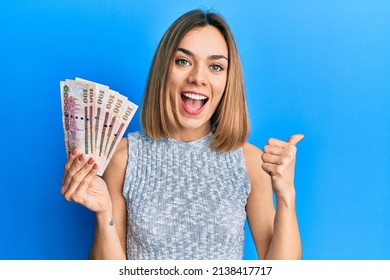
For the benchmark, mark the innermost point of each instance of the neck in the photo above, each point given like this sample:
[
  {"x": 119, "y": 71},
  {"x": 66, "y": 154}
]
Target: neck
[{"x": 188, "y": 135}]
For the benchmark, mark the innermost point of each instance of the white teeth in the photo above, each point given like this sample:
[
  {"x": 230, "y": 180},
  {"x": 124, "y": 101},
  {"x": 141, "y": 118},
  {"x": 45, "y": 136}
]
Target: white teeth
[{"x": 195, "y": 96}]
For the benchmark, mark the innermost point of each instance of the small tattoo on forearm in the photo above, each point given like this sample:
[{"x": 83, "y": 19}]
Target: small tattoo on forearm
[{"x": 111, "y": 222}]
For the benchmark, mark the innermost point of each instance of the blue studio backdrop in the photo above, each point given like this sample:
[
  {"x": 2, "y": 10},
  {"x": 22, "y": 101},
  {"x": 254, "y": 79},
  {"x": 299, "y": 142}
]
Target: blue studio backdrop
[{"x": 321, "y": 68}]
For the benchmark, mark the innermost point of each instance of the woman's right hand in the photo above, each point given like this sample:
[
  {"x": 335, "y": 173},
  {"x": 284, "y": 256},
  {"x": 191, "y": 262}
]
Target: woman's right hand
[{"x": 81, "y": 184}]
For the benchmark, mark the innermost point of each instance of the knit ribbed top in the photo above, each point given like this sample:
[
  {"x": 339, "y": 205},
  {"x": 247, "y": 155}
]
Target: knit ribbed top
[{"x": 184, "y": 200}]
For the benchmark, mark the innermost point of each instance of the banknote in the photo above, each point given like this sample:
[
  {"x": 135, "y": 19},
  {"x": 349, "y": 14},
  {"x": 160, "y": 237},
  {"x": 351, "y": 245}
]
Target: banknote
[
  {"x": 94, "y": 118},
  {"x": 75, "y": 115},
  {"x": 124, "y": 120},
  {"x": 91, "y": 111}
]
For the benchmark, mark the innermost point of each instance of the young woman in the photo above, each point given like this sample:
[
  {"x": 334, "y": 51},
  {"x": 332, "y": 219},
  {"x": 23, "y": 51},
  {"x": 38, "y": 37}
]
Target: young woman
[{"x": 183, "y": 186}]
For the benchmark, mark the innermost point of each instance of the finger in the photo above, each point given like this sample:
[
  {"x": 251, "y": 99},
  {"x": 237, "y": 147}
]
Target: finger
[
  {"x": 78, "y": 196},
  {"x": 275, "y": 150},
  {"x": 274, "y": 170},
  {"x": 270, "y": 158},
  {"x": 69, "y": 163},
  {"x": 276, "y": 142},
  {"x": 295, "y": 138},
  {"x": 74, "y": 168},
  {"x": 270, "y": 168},
  {"x": 78, "y": 179}
]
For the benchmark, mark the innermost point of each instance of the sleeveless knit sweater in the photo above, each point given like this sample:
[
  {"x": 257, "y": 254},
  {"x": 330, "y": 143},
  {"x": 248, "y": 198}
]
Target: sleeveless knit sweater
[{"x": 184, "y": 200}]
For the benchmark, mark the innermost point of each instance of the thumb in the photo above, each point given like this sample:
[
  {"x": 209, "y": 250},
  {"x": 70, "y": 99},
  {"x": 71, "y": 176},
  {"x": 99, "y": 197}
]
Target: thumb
[{"x": 294, "y": 139}]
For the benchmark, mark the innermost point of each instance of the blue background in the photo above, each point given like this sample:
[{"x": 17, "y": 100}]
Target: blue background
[{"x": 315, "y": 67}]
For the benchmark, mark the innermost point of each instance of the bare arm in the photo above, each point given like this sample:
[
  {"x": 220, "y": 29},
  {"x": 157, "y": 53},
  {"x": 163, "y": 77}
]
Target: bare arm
[
  {"x": 101, "y": 195},
  {"x": 260, "y": 208},
  {"x": 276, "y": 234},
  {"x": 110, "y": 228}
]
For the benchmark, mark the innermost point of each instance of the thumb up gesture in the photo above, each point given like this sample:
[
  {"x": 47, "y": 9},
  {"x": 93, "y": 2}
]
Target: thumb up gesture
[{"x": 279, "y": 162}]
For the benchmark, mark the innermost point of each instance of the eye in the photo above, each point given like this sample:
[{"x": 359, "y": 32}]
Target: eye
[
  {"x": 216, "y": 67},
  {"x": 182, "y": 62}
]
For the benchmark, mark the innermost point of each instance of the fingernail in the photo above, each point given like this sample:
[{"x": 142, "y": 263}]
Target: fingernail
[
  {"x": 81, "y": 157},
  {"x": 95, "y": 166},
  {"x": 90, "y": 161},
  {"x": 74, "y": 152}
]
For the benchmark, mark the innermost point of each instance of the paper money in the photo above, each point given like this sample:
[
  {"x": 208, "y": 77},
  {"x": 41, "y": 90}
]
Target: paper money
[
  {"x": 91, "y": 111},
  {"x": 124, "y": 120},
  {"x": 74, "y": 115},
  {"x": 94, "y": 119}
]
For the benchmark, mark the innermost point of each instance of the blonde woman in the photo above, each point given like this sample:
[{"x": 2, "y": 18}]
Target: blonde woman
[{"x": 182, "y": 187}]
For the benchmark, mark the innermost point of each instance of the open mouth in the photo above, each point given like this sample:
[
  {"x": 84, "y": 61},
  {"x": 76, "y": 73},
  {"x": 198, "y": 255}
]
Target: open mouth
[{"x": 193, "y": 102}]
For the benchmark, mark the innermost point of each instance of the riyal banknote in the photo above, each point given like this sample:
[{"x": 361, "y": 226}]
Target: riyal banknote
[{"x": 94, "y": 118}]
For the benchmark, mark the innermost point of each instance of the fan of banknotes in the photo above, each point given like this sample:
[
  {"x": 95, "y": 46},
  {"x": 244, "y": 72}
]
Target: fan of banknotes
[{"x": 94, "y": 118}]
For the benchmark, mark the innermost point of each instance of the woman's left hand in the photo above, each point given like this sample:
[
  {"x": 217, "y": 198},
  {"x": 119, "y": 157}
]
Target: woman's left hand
[{"x": 279, "y": 163}]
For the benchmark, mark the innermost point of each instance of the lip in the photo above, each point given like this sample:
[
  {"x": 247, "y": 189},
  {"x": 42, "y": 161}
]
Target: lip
[
  {"x": 194, "y": 92},
  {"x": 187, "y": 109}
]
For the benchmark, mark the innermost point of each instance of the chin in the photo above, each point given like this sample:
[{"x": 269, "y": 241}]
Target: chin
[
  {"x": 193, "y": 124},
  {"x": 199, "y": 125}
]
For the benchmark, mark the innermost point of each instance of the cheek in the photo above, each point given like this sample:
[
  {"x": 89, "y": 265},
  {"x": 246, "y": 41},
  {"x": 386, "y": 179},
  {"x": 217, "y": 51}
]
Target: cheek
[
  {"x": 172, "y": 83},
  {"x": 220, "y": 87},
  {"x": 175, "y": 78},
  {"x": 218, "y": 93}
]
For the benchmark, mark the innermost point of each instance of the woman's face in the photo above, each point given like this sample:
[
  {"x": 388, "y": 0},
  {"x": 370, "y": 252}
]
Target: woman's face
[{"x": 198, "y": 80}]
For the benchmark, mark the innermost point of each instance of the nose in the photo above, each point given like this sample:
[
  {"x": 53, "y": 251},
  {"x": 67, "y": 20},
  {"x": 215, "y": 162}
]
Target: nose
[{"x": 198, "y": 75}]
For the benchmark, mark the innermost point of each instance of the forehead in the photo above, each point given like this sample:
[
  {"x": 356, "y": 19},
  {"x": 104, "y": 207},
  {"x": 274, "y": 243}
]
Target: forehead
[{"x": 206, "y": 40}]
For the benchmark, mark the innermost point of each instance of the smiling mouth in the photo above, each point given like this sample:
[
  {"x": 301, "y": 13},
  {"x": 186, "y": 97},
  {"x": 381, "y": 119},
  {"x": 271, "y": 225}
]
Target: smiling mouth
[{"x": 193, "y": 102}]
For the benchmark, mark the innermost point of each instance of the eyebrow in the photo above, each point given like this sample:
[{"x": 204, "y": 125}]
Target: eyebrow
[{"x": 190, "y": 53}]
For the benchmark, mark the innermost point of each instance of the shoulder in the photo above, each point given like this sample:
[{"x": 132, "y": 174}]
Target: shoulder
[
  {"x": 120, "y": 156},
  {"x": 122, "y": 146},
  {"x": 115, "y": 172},
  {"x": 253, "y": 160},
  {"x": 252, "y": 156},
  {"x": 251, "y": 152}
]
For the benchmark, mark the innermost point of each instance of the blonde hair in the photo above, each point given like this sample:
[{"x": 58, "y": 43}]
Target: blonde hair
[{"x": 230, "y": 124}]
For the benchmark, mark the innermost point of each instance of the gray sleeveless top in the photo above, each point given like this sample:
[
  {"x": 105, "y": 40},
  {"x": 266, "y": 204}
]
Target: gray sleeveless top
[{"x": 184, "y": 200}]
